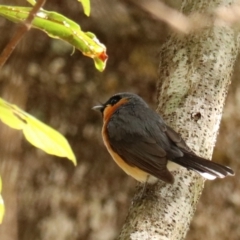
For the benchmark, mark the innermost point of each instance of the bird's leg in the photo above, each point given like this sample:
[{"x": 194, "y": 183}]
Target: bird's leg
[{"x": 144, "y": 188}]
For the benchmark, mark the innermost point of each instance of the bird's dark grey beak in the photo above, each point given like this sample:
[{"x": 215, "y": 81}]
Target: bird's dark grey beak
[{"x": 98, "y": 108}]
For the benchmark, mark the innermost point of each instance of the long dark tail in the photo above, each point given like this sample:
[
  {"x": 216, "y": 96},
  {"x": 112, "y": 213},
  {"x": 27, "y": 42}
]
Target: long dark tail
[{"x": 205, "y": 168}]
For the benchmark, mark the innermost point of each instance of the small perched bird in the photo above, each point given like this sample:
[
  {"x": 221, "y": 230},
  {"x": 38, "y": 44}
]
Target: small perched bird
[{"x": 146, "y": 148}]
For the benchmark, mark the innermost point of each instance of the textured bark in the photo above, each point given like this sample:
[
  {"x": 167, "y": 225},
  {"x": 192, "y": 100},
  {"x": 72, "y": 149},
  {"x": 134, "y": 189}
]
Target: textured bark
[{"x": 194, "y": 75}]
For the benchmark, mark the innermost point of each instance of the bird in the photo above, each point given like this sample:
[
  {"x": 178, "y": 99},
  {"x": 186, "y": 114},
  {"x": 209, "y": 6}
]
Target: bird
[{"x": 144, "y": 146}]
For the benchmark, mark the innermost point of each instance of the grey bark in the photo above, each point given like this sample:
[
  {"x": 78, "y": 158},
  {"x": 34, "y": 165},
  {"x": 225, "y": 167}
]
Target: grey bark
[{"x": 194, "y": 75}]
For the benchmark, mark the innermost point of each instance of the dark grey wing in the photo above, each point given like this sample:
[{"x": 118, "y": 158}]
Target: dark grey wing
[
  {"x": 135, "y": 139},
  {"x": 175, "y": 138}
]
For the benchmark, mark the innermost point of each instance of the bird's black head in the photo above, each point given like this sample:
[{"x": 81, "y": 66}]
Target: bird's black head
[{"x": 120, "y": 99}]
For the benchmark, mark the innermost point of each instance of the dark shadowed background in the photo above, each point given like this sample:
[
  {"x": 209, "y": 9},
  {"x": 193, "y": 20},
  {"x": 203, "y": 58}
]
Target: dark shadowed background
[{"x": 47, "y": 197}]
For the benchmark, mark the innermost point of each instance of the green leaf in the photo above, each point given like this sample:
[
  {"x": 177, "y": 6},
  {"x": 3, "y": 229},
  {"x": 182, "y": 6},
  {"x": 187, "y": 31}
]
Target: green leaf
[
  {"x": 60, "y": 27},
  {"x": 2, "y": 208},
  {"x": 37, "y": 133},
  {"x": 32, "y": 2},
  {"x": 86, "y": 6}
]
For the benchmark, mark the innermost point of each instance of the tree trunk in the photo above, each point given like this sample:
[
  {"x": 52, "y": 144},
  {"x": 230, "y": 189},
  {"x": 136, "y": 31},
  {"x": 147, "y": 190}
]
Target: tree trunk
[
  {"x": 14, "y": 89},
  {"x": 194, "y": 75}
]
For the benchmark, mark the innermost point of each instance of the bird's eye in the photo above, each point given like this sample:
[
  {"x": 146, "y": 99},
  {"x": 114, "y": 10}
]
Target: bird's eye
[{"x": 114, "y": 100}]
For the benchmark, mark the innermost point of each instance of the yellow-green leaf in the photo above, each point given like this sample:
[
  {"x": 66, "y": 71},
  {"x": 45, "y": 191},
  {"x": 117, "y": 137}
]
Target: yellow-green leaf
[
  {"x": 61, "y": 27},
  {"x": 2, "y": 208},
  {"x": 37, "y": 133},
  {"x": 86, "y": 6},
  {"x": 32, "y": 2}
]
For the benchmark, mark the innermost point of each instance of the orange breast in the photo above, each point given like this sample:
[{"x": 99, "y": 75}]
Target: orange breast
[{"x": 135, "y": 172}]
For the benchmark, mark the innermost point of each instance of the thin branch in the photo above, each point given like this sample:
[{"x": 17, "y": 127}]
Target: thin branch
[
  {"x": 161, "y": 11},
  {"x": 22, "y": 29},
  {"x": 222, "y": 15}
]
